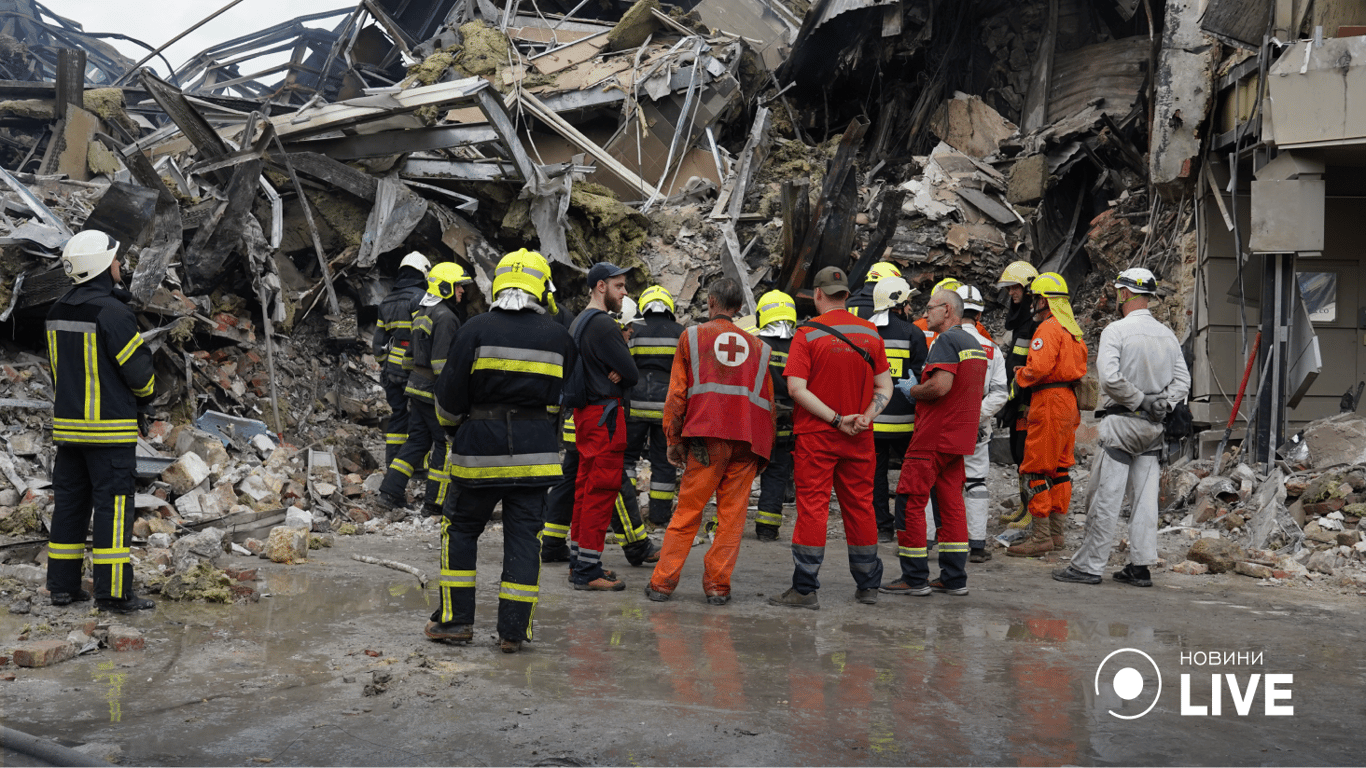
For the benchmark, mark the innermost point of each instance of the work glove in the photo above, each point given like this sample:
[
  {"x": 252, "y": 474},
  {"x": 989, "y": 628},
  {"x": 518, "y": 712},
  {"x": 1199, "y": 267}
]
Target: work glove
[
  {"x": 1156, "y": 407},
  {"x": 904, "y": 386}
]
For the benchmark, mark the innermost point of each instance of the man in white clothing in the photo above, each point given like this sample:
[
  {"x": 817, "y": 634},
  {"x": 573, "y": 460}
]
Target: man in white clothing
[
  {"x": 975, "y": 495},
  {"x": 1143, "y": 375}
]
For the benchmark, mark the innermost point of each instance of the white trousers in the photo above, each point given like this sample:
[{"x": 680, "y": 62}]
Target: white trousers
[
  {"x": 1114, "y": 473},
  {"x": 975, "y": 495}
]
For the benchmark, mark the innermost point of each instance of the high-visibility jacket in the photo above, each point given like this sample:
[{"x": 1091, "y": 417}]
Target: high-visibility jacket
[
  {"x": 1056, "y": 360},
  {"x": 720, "y": 387},
  {"x": 394, "y": 330},
  {"x": 652, "y": 347},
  {"x": 504, "y": 373},
  {"x": 777, "y": 363},
  {"x": 906, "y": 350},
  {"x": 101, "y": 368},
  {"x": 434, "y": 328}
]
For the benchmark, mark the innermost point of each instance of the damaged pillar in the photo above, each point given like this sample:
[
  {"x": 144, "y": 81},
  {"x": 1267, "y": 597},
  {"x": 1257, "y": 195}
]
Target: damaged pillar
[{"x": 1185, "y": 81}]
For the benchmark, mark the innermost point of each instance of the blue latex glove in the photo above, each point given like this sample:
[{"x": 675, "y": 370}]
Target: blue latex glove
[{"x": 904, "y": 386}]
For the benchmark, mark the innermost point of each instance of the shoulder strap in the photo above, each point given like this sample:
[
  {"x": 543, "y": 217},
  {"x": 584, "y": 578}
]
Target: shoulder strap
[
  {"x": 863, "y": 353},
  {"x": 581, "y": 324}
]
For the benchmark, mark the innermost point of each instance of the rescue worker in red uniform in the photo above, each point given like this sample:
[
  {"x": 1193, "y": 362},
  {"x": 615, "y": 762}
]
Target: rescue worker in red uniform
[
  {"x": 433, "y": 328},
  {"x": 838, "y": 376},
  {"x": 718, "y": 419},
  {"x": 1056, "y": 363},
  {"x": 777, "y": 318},
  {"x": 102, "y": 376},
  {"x": 948, "y": 409},
  {"x": 393, "y": 335},
  {"x": 506, "y": 368},
  {"x": 653, "y": 343},
  {"x": 600, "y": 427}
]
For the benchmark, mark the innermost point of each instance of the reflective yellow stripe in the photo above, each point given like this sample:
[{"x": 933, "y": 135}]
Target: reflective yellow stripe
[
  {"x": 57, "y": 551},
  {"x": 641, "y": 413},
  {"x": 555, "y": 531},
  {"x": 971, "y": 354},
  {"x": 490, "y": 473},
  {"x": 92, "y": 377},
  {"x": 957, "y": 546},
  {"x": 457, "y": 579},
  {"x": 402, "y": 466},
  {"x": 129, "y": 349},
  {"x": 662, "y": 495},
  {"x": 892, "y": 428},
  {"x": 1021, "y": 351},
  {"x": 396, "y": 438},
  {"x": 913, "y": 551},
  {"x": 95, "y": 424},
  {"x": 517, "y": 366},
  {"x": 522, "y": 593},
  {"x": 146, "y": 391},
  {"x": 52, "y": 352},
  {"x": 670, "y": 351}
]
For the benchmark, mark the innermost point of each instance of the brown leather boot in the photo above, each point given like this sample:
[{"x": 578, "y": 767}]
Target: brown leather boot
[
  {"x": 1055, "y": 528},
  {"x": 1040, "y": 541}
]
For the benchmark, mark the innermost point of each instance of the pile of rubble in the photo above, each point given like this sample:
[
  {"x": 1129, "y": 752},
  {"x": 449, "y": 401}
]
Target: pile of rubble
[
  {"x": 760, "y": 139},
  {"x": 1301, "y": 521}
]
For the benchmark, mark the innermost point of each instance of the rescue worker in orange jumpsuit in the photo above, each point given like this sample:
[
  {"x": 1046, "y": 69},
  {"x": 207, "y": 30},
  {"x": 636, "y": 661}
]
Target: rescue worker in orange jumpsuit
[
  {"x": 719, "y": 424},
  {"x": 1056, "y": 362},
  {"x": 837, "y": 374}
]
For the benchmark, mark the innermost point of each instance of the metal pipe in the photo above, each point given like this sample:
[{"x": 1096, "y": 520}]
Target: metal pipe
[
  {"x": 42, "y": 749},
  {"x": 174, "y": 40}
]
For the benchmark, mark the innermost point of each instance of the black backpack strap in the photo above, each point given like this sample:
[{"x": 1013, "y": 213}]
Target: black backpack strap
[{"x": 863, "y": 353}]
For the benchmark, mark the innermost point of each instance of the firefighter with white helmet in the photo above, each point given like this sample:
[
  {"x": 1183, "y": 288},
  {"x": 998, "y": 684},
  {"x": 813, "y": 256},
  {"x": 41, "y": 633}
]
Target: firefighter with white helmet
[
  {"x": 393, "y": 336},
  {"x": 975, "y": 495},
  {"x": 102, "y": 377},
  {"x": 434, "y": 325},
  {"x": 1143, "y": 375},
  {"x": 1014, "y": 282}
]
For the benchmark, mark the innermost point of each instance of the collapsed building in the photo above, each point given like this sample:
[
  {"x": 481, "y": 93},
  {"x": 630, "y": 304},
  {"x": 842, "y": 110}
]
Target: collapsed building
[{"x": 263, "y": 203}]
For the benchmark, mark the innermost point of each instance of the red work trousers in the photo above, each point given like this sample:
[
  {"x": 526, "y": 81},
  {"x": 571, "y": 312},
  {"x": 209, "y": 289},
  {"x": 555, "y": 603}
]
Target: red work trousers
[
  {"x": 1049, "y": 449},
  {"x": 729, "y": 474},
  {"x": 826, "y": 459},
  {"x": 921, "y": 472},
  {"x": 601, "y": 442}
]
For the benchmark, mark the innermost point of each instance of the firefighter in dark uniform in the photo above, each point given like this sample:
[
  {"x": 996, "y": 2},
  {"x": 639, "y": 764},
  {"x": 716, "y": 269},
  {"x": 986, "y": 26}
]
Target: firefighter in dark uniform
[
  {"x": 393, "y": 334},
  {"x": 777, "y": 319},
  {"x": 434, "y": 327},
  {"x": 652, "y": 344},
  {"x": 1015, "y": 280},
  {"x": 506, "y": 369},
  {"x": 860, "y": 303},
  {"x": 892, "y": 429},
  {"x": 102, "y": 374}
]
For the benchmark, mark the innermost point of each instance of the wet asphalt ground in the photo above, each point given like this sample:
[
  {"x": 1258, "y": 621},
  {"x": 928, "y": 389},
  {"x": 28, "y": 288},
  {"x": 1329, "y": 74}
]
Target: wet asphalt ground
[{"x": 331, "y": 669}]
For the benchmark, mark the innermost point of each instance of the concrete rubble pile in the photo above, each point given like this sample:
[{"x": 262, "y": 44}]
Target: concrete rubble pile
[{"x": 1301, "y": 521}]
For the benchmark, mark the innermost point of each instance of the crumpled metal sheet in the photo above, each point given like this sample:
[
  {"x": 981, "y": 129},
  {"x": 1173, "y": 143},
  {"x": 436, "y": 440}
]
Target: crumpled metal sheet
[{"x": 396, "y": 214}]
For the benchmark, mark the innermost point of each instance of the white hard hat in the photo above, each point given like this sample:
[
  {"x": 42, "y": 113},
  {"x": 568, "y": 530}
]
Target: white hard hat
[
  {"x": 88, "y": 254},
  {"x": 628, "y": 313},
  {"x": 972, "y": 298},
  {"x": 1137, "y": 280},
  {"x": 891, "y": 291},
  {"x": 416, "y": 261}
]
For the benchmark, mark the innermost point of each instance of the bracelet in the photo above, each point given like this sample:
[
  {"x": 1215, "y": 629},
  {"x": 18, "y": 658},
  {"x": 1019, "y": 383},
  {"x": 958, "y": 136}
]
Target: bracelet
[{"x": 837, "y": 421}]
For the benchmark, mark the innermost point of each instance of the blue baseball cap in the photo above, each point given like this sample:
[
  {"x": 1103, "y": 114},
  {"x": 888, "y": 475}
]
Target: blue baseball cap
[{"x": 604, "y": 271}]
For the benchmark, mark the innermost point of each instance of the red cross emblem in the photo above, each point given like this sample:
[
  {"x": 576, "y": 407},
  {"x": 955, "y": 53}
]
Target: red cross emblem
[{"x": 730, "y": 349}]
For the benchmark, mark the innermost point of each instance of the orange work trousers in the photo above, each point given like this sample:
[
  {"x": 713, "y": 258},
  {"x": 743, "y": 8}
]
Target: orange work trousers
[
  {"x": 729, "y": 474},
  {"x": 1050, "y": 441}
]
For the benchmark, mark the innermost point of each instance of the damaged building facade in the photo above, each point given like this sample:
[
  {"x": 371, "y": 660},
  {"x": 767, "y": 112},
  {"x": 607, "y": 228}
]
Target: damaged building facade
[{"x": 264, "y": 191}]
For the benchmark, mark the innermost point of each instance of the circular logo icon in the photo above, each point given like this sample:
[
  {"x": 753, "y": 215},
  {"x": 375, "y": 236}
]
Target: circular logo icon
[
  {"x": 1124, "y": 677},
  {"x": 1038, "y": 344},
  {"x": 730, "y": 349}
]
